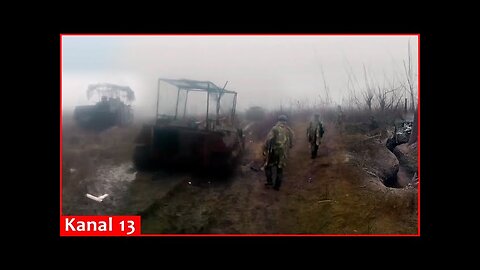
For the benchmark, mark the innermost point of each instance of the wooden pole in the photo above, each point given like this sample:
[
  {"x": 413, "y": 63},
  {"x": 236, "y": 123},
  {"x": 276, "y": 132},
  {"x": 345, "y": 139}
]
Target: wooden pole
[
  {"x": 208, "y": 102},
  {"x": 158, "y": 96},
  {"x": 176, "y": 107},
  {"x": 185, "y": 105}
]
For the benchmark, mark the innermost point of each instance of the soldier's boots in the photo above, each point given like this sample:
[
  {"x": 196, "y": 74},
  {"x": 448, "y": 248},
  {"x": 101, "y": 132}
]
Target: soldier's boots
[
  {"x": 314, "y": 151},
  {"x": 268, "y": 174},
  {"x": 278, "y": 181}
]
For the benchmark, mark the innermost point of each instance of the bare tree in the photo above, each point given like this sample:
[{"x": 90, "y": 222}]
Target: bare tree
[
  {"x": 353, "y": 100},
  {"x": 381, "y": 96},
  {"x": 368, "y": 98},
  {"x": 396, "y": 99},
  {"x": 386, "y": 96},
  {"x": 367, "y": 93},
  {"x": 410, "y": 79},
  {"x": 328, "y": 100},
  {"x": 353, "y": 86}
]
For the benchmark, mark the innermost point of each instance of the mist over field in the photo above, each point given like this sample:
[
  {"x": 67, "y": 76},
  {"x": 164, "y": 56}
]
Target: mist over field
[{"x": 267, "y": 71}]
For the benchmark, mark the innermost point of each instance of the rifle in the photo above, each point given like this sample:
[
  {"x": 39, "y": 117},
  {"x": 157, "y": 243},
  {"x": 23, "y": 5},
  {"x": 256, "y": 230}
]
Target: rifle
[
  {"x": 269, "y": 152},
  {"x": 320, "y": 133}
]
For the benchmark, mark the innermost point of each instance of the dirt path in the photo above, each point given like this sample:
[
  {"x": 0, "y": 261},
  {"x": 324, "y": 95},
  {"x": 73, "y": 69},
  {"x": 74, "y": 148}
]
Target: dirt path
[{"x": 325, "y": 195}]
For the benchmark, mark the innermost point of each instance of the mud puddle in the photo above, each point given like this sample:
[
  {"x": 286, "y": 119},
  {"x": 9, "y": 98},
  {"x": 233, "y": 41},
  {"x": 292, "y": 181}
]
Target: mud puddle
[{"x": 129, "y": 191}]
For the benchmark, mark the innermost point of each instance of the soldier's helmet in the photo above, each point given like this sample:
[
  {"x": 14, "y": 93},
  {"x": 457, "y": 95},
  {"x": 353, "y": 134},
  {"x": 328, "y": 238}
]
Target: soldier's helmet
[{"x": 282, "y": 118}]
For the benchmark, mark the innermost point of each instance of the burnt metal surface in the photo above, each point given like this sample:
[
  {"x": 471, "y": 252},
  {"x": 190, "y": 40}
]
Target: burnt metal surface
[
  {"x": 403, "y": 129},
  {"x": 211, "y": 142},
  {"x": 113, "y": 108},
  {"x": 401, "y": 133}
]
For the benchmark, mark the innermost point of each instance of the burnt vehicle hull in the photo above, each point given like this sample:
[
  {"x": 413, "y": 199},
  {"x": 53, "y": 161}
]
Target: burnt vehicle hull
[
  {"x": 97, "y": 117},
  {"x": 206, "y": 139},
  {"x": 401, "y": 134},
  {"x": 171, "y": 147},
  {"x": 113, "y": 109}
]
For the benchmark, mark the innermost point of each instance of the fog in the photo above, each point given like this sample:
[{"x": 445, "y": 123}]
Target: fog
[{"x": 267, "y": 71}]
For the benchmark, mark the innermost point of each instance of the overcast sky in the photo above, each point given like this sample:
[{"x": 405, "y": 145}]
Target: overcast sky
[{"x": 264, "y": 70}]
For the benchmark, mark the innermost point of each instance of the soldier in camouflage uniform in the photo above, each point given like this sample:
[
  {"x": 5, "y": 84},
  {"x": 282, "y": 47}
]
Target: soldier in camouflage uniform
[
  {"x": 314, "y": 134},
  {"x": 275, "y": 150},
  {"x": 340, "y": 116}
]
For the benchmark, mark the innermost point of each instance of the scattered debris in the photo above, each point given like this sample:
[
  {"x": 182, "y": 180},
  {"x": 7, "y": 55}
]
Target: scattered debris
[
  {"x": 369, "y": 172},
  {"x": 413, "y": 182},
  {"x": 322, "y": 201},
  {"x": 402, "y": 131},
  {"x": 368, "y": 138},
  {"x": 95, "y": 198},
  {"x": 414, "y": 178}
]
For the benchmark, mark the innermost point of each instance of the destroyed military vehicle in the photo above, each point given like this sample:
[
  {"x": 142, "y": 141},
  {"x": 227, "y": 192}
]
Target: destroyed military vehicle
[
  {"x": 199, "y": 132},
  {"x": 401, "y": 133},
  {"x": 255, "y": 113},
  {"x": 113, "y": 107}
]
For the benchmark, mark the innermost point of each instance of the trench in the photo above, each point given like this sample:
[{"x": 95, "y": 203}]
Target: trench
[
  {"x": 403, "y": 176},
  {"x": 401, "y": 179}
]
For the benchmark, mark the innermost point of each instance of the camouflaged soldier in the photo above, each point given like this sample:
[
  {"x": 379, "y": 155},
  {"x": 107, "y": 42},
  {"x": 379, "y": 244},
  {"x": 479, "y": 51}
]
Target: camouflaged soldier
[
  {"x": 340, "y": 116},
  {"x": 314, "y": 134},
  {"x": 275, "y": 150}
]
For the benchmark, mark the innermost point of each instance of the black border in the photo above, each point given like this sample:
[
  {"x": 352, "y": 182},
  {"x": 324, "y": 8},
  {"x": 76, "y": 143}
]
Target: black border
[{"x": 49, "y": 49}]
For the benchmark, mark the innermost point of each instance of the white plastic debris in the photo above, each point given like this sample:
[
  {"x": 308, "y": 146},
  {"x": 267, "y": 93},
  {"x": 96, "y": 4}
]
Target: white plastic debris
[
  {"x": 72, "y": 170},
  {"x": 189, "y": 182},
  {"x": 95, "y": 198}
]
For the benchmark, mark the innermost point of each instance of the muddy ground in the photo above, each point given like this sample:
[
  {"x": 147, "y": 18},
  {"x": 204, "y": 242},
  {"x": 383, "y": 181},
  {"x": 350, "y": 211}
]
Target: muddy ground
[{"x": 339, "y": 192}]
